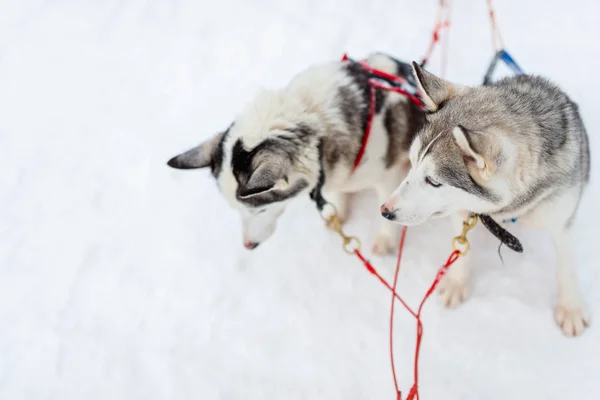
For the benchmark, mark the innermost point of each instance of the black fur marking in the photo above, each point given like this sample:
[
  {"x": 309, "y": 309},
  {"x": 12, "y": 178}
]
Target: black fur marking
[
  {"x": 463, "y": 180},
  {"x": 402, "y": 121},
  {"x": 274, "y": 196},
  {"x": 404, "y": 70},
  {"x": 393, "y": 126},
  {"x": 316, "y": 194},
  {"x": 216, "y": 163},
  {"x": 333, "y": 153},
  {"x": 241, "y": 161},
  {"x": 350, "y": 106},
  {"x": 244, "y": 163}
]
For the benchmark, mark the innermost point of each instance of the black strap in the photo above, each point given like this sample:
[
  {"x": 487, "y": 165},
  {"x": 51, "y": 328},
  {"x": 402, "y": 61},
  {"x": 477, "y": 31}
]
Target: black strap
[
  {"x": 405, "y": 70},
  {"x": 505, "y": 237}
]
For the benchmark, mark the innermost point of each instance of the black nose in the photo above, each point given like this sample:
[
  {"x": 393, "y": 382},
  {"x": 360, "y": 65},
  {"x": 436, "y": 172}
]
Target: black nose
[
  {"x": 251, "y": 245},
  {"x": 388, "y": 214}
]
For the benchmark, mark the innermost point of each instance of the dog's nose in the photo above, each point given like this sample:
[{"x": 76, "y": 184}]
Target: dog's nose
[
  {"x": 385, "y": 211},
  {"x": 250, "y": 245}
]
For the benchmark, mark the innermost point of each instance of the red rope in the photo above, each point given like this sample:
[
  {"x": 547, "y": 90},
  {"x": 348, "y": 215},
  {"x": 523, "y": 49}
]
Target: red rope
[
  {"x": 445, "y": 45},
  {"x": 372, "y": 270},
  {"x": 497, "y": 41},
  {"x": 412, "y": 98},
  {"x": 442, "y": 20},
  {"x": 413, "y": 394},
  {"x": 398, "y": 393}
]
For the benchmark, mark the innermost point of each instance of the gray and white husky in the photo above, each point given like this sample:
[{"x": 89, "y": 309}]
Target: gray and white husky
[
  {"x": 276, "y": 149},
  {"x": 514, "y": 149}
]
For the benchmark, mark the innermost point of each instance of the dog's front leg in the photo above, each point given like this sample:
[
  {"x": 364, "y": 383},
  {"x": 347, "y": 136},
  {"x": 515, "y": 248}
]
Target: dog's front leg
[
  {"x": 570, "y": 313},
  {"x": 339, "y": 201},
  {"x": 454, "y": 286}
]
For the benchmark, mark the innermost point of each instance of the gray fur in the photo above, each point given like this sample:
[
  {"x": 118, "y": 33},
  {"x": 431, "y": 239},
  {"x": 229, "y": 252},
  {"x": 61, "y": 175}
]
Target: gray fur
[
  {"x": 514, "y": 150},
  {"x": 535, "y": 113}
]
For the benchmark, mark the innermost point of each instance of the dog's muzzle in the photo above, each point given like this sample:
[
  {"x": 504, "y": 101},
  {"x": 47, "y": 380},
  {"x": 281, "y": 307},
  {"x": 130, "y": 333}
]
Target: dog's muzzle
[
  {"x": 251, "y": 245},
  {"x": 386, "y": 213}
]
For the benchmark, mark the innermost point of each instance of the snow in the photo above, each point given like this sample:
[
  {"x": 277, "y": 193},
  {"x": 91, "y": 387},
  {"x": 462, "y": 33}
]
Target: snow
[{"x": 123, "y": 279}]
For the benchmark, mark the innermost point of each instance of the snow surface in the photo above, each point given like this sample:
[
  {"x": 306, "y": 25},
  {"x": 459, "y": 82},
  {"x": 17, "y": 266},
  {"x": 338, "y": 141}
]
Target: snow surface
[{"x": 123, "y": 279}]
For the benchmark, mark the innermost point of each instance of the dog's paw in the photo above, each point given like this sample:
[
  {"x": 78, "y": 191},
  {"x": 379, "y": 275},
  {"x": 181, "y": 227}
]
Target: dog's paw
[
  {"x": 452, "y": 292},
  {"x": 383, "y": 244},
  {"x": 572, "y": 319}
]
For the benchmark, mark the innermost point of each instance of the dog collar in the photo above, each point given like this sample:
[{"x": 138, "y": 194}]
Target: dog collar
[{"x": 502, "y": 234}]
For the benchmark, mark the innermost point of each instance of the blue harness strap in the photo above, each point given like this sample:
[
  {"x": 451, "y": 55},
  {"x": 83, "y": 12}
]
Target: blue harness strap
[{"x": 502, "y": 55}]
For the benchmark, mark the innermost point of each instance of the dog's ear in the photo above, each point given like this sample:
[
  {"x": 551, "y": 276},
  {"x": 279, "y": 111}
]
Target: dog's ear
[
  {"x": 434, "y": 90},
  {"x": 269, "y": 175},
  {"x": 198, "y": 157},
  {"x": 464, "y": 139}
]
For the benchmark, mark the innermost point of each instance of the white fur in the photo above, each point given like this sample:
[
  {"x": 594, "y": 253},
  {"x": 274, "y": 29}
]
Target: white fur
[{"x": 311, "y": 97}]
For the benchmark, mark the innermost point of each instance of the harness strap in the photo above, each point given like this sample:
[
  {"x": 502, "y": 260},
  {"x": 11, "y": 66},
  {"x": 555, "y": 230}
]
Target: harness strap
[
  {"x": 382, "y": 80},
  {"x": 501, "y": 55},
  {"x": 363, "y": 146}
]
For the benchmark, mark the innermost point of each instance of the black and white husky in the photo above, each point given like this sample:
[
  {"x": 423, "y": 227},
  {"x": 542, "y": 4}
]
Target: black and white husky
[
  {"x": 516, "y": 150},
  {"x": 276, "y": 149}
]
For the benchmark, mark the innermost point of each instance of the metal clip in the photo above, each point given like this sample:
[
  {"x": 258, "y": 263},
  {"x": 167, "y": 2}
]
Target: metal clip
[
  {"x": 461, "y": 240},
  {"x": 336, "y": 225}
]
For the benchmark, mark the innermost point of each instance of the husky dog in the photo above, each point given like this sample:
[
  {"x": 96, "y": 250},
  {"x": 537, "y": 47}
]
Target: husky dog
[
  {"x": 516, "y": 149},
  {"x": 284, "y": 140}
]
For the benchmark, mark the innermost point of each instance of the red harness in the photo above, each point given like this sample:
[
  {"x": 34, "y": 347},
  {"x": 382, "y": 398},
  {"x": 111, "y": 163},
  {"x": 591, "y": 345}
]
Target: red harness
[{"x": 381, "y": 80}]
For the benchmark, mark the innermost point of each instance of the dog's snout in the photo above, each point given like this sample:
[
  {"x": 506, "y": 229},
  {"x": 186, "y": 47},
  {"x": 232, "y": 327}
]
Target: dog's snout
[
  {"x": 250, "y": 245},
  {"x": 387, "y": 213}
]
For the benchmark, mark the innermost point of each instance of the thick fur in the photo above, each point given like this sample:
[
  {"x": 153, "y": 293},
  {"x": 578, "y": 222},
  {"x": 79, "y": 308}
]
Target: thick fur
[
  {"x": 270, "y": 154},
  {"x": 514, "y": 149}
]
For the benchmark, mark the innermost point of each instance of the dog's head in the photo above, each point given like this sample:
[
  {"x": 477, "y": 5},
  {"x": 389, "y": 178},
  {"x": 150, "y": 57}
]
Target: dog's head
[
  {"x": 461, "y": 157},
  {"x": 268, "y": 156}
]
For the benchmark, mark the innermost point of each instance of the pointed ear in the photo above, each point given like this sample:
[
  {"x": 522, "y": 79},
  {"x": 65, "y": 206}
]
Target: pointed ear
[
  {"x": 434, "y": 90},
  {"x": 198, "y": 157},
  {"x": 269, "y": 175},
  {"x": 464, "y": 141}
]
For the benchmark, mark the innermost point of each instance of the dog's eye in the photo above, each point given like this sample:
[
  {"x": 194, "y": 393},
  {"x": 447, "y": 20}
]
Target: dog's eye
[
  {"x": 261, "y": 211},
  {"x": 431, "y": 182}
]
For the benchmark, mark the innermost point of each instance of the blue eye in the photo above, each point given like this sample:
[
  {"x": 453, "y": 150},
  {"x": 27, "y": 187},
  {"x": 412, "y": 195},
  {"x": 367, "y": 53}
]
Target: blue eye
[{"x": 431, "y": 182}]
